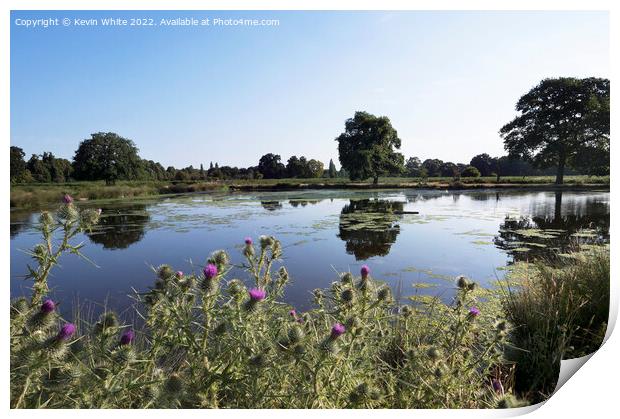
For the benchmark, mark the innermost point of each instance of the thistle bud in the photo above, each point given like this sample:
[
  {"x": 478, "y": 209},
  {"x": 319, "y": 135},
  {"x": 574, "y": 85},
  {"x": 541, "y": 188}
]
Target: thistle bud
[
  {"x": 295, "y": 334},
  {"x": 165, "y": 272},
  {"x": 346, "y": 278},
  {"x": 384, "y": 294},
  {"x": 220, "y": 259},
  {"x": 337, "y": 330},
  {"x": 173, "y": 385},
  {"x": 434, "y": 354},
  {"x": 347, "y": 295},
  {"x": 461, "y": 282},
  {"x": 127, "y": 337},
  {"x": 46, "y": 218}
]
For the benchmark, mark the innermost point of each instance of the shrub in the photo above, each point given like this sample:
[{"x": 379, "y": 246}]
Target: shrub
[{"x": 470, "y": 171}]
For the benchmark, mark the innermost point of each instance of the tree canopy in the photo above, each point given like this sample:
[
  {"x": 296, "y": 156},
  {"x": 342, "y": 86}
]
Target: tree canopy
[
  {"x": 107, "y": 156},
  {"x": 560, "y": 121},
  {"x": 367, "y": 147}
]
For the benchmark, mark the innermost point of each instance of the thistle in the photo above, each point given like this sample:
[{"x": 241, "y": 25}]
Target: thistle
[
  {"x": 473, "y": 313},
  {"x": 127, "y": 337},
  {"x": 256, "y": 296}
]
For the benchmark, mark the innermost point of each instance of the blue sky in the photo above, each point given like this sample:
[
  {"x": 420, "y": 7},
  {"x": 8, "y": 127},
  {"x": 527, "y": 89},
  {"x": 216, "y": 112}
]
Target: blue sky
[{"x": 189, "y": 95}]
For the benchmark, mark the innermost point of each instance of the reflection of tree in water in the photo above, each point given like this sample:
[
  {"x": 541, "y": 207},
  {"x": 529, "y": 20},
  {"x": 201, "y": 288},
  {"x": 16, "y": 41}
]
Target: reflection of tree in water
[
  {"x": 303, "y": 202},
  {"x": 556, "y": 229},
  {"x": 369, "y": 227},
  {"x": 20, "y": 221},
  {"x": 119, "y": 228},
  {"x": 271, "y": 205}
]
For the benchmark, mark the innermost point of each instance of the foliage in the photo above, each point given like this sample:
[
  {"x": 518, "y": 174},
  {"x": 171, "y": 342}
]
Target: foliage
[
  {"x": 332, "y": 172},
  {"x": 560, "y": 121},
  {"x": 558, "y": 312},
  {"x": 107, "y": 156},
  {"x": 271, "y": 167},
  {"x": 366, "y": 148},
  {"x": 208, "y": 342},
  {"x": 470, "y": 171}
]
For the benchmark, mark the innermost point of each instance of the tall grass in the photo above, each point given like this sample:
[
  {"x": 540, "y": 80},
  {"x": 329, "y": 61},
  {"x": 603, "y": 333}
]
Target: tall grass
[
  {"x": 558, "y": 312},
  {"x": 211, "y": 341}
]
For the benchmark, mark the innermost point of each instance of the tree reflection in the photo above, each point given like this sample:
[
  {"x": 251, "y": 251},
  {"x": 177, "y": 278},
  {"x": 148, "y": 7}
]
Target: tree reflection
[
  {"x": 555, "y": 229},
  {"x": 369, "y": 227},
  {"x": 121, "y": 227},
  {"x": 271, "y": 205},
  {"x": 20, "y": 220}
]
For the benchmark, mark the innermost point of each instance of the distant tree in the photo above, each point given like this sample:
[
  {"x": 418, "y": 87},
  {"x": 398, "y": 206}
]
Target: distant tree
[
  {"x": 433, "y": 167},
  {"x": 484, "y": 163},
  {"x": 202, "y": 172},
  {"x": 295, "y": 167},
  {"x": 18, "y": 164},
  {"x": 560, "y": 121},
  {"x": 449, "y": 169},
  {"x": 271, "y": 167},
  {"x": 332, "y": 172},
  {"x": 413, "y": 166},
  {"x": 315, "y": 168},
  {"x": 38, "y": 169},
  {"x": 107, "y": 156},
  {"x": 366, "y": 148},
  {"x": 470, "y": 171}
]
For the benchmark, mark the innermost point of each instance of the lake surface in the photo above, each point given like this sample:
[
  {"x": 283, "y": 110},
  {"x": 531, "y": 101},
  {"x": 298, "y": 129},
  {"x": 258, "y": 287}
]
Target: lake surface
[{"x": 473, "y": 233}]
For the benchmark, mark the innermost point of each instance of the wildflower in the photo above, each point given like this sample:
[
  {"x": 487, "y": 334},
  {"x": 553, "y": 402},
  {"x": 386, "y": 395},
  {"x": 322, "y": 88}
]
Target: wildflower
[
  {"x": 66, "y": 332},
  {"x": 210, "y": 271},
  {"x": 461, "y": 282},
  {"x": 266, "y": 241},
  {"x": 248, "y": 241},
  {"x": 433, "y": 353},
  {"x": 346, "y": 278},
  {"x": 127, "y": 337},
  {"x": 174, "y": 384},
  {"x": 179, "y": 274},
  {"x": 67, "y": 199},
  {"x": 383, "y": 294},
  {"x": 365, "y": 271},
  {"x": 46, "y": 218},
  {"x": 347, "y": 295},
  {"x": 337, "y": 330},
  {"x": 48, "y": 306},
  {"x": 474, "y": 312},
  {"x": 293, "y": 313},
  {"x": 295, "y": 334},
  {"x": 220, "y": 259},
  {"x": 164, "y": 272},
  {"x": 497, "y": 385},
  {"x": 257, "y": 295}
]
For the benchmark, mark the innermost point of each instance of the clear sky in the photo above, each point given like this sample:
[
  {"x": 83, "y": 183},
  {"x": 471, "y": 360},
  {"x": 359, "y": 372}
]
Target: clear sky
[{"x": 189, "y": 95}]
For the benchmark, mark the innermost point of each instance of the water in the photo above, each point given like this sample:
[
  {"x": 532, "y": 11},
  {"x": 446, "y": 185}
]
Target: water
[{"x": 473, "y": 233}]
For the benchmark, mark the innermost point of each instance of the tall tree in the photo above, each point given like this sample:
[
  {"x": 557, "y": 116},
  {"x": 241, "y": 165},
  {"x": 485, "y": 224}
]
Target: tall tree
[
  {"x": 332, "y": 169},
  {"x": 271, "y": 167},
  {"x": 484, "y": 163},
  {"x": 412, "y": 167},
  {"x": 315, "y": 168},
  {"x": 107, "y": 156},
  {"x": 18, "y": 164},
  {"x": 366, "y": 147},
  {"x": 560, "y": 121}
]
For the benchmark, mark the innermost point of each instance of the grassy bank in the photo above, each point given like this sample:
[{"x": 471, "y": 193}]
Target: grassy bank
[
  {"x": 559, "y": 310},
  {"x": 39, "y": 195}
]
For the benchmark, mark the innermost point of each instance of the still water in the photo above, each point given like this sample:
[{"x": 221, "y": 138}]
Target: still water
[{"x": 473, "y": 233}]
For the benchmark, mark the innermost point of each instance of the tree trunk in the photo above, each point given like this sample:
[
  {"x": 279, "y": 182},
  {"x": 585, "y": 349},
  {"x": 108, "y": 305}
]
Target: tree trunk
[
  {"x": 375, "y": 180},
  {"x": 559, "y": 178}
]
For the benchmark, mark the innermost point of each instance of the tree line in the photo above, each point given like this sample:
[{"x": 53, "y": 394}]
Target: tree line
[{"x": 562, "y": 127}]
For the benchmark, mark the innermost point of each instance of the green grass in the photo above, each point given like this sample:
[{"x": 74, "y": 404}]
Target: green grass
[
  {"x": 559, "y": 310},
  {"x": 38, "y": 195}
]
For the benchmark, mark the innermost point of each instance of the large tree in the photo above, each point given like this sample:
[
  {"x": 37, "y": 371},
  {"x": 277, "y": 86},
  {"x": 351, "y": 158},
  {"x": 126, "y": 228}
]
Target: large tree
[
  {"x": 18, "y": 164},
  {"x": 560, "y": 121},
  {"x": 366, "y": 147},
  {"x": 107, "y": 156},
  {"x": 271, "y": 167}
]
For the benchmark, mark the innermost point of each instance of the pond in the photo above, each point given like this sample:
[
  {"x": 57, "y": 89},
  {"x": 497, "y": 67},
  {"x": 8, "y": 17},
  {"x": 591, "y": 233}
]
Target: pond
[{"x": 473, "y": 233}]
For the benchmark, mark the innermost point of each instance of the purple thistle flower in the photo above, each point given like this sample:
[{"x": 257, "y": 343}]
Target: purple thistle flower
[
  {"x": 365, "y": 271},
  {"x": 67, "y": 199},
  {"x": 293, "y": 313},
  {"x": 497, "y": 385},
  {"x": 210, "y": 271},
  {"x": 337, "y": 330},
  {"x": 257, "y": 295},
  {"x": 474, "y": 311},
  {"x": 48, "y": 306},
  {"x": 127, "y": 337},
  {"x": 248, "y": 241},
  {"x": 179, "y": 274},
  {"x": 66, "y": 331}
]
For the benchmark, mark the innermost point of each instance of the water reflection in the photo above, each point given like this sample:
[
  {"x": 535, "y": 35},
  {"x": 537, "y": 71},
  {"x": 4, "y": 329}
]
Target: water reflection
[
  {"x": 369, "y": 227},
  {"x": 120, "y": 227},
  {"x": 271, "y": 205},
  {"x": 19, "y": 221},
  {"x": 554, "y": 228},
  {"x": 303, "y": 202}
]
